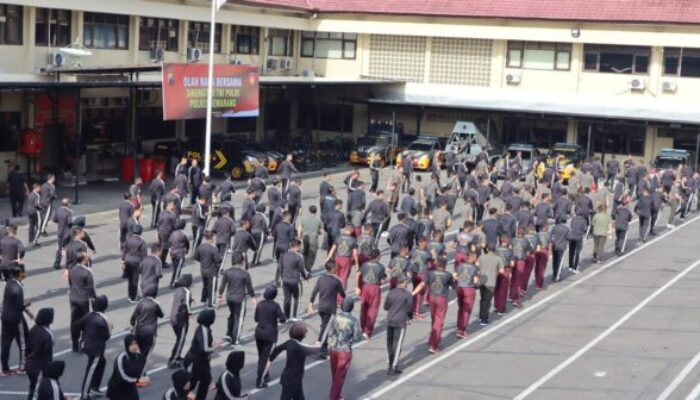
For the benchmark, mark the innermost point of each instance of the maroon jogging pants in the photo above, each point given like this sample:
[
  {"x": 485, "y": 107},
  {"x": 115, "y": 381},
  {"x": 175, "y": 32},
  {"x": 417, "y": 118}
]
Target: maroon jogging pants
[
  {"x": 500, "y": 296},
  {"x": 340, "y": 363},
  {"x": 541, "y": 258},
  {"x": 418, "y": 298},
  {"x": 465, "y": 303},
  {"x": 519, "y": 274},
  {"x": 371, "y": 297},
  {"x": 438, "y": 309}
]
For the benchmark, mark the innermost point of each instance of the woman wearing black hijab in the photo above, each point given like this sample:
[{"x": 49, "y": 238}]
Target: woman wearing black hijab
[
  {"x": 228, "y": 386},
  {"x": 181, "y": 386},
  {"x": 199, "y": 355},
  {"x": 292, "y": 378},
  {"x": 39, "y": 351},
  {"x": 267, "y": 314},
  {"x": 49, "y": 387},
  {"x": 126, "y": 372}
]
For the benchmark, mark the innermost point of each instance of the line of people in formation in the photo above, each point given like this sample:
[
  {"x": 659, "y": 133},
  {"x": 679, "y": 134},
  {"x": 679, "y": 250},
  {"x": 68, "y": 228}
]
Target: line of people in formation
[{"x": 511, "y": 231}]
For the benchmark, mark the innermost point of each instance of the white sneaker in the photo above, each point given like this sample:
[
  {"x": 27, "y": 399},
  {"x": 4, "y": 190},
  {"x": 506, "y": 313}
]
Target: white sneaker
[
  {"x": 574, "y": 271},
  {"x": 670, "y": 226}
]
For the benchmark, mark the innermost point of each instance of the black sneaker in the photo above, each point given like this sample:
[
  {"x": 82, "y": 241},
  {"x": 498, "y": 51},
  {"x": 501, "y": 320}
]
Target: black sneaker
[{"x": 484, "y": 322}]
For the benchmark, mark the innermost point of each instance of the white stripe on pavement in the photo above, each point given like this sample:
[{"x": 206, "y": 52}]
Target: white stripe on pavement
[
  {"x": 694, "y": 394},
  {"x": 680, "y": 378},
  {"x": 515, "y": 316},
  {"x": 525, "y": 393}
]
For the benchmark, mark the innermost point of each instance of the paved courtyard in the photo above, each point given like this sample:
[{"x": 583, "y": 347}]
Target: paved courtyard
[{"x": 626, "y": 329}]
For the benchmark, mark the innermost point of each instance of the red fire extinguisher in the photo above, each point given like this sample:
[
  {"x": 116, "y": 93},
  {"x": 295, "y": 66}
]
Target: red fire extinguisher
[{"x": 31, "y": 143}]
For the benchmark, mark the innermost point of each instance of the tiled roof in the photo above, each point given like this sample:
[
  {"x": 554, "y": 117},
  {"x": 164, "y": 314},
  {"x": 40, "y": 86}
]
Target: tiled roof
[{"x": 631, "y": 11}]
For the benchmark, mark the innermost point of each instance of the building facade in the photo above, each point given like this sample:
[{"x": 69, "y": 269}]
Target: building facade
[{"x": 619, "y": 80}]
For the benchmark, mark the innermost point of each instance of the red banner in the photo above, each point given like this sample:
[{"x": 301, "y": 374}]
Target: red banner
[{"x": 235, "y": 91}]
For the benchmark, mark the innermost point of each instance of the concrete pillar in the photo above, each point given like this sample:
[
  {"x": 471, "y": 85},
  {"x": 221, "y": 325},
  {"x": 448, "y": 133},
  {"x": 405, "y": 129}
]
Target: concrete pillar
[
  {"x": 134, "y": 33},
  {"x": 649, "y": 142},
  {"x": 29, "y": 36},
  {"x": 226, "y": 49},
  {"x": 428, "y": 52},
  {"x": 655, "y": 71},
  {"x": 260, "y": 133},
  {"x": 498, "y": 51},
  {"x": 182, "y": 40},
  {"x": 571, "y": 131}
]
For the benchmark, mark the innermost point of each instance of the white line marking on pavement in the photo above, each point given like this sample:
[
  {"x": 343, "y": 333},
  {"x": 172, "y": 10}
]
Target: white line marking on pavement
[
  {"x": 605, "y": 333},
  {"x": 516, "y": 316},
  {"x": 694, "y": 394},
  {"x": 680, "y": 378}
]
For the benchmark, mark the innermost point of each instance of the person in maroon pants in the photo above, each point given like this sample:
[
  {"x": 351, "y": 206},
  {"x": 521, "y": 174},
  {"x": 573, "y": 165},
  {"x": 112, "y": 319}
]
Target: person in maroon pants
[
  {"x": 420, "y": 259},
  {"x": 440, "y": 282},
  {"x": 345, "y": 251},
  {"x": 521, "y": 251},
  {"x": 505, "y": 251},
  {"x": 531, "y": 259},
  {"x": 467, "y": 281},
  {"x": 369, "y": 280},
  {"x": 399, "y": 267},
  {"x": 343, "y": 331},
  {"x": 462, "y": 248},
  {"x": 544, "y": 249}
]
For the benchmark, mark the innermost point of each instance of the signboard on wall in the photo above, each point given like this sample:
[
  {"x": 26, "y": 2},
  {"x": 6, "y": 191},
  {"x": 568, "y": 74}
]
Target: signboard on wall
[{"x": 235, "y": 91}]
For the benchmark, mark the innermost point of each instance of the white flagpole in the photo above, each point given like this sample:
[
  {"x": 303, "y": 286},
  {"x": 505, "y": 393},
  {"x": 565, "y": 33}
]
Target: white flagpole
[{"x": 210, "y": 88}]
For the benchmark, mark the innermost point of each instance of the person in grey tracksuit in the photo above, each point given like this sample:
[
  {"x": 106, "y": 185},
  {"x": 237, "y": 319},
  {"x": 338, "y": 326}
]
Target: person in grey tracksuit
[
  {"x": 151, "y": 272},
  {"x": 180, "y": 317}
]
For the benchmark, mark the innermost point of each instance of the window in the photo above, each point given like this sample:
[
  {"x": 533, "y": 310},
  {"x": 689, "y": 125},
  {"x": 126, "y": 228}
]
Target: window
[
  {"x": 247, "y": 125},
  {"x": 616, "y": 59},
  {"x": 9, "y": 130},
  {"x": 10, "y": 24},
  {"x": 106, "y": 31},
  {"x": 331, "y": 117},
  {"x": 280, "y": 43},
  {"x": 150, "y": 124},
  {"x": 52, "y": 27},
  {"x": 542, "y": 133},
  {"x": 682, "y": 62},
  {"x": 157, "y": 33},
  {"x": 198, "y": 36},
  {"x": 539, "y": 55},
  {"x": 328, "y": 45},
  {"x": 245, "y": 40},
  {"x": 613, "y": 138},
  {"x": 104, "y": 125}
]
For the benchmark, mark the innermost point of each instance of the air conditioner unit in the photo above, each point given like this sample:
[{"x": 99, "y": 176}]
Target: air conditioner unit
[
  {"x": 57, "y": 59},
  {"x": 157, "y": 55},
  {"x": 309, "y": 73},
  {"x": 194, "y": 54},
  {"x": 638, "y": 84},
  {"x": 235, "y": 62},
  {"x": 669, "y": 86},
  {"x": 513, "y": 79},
  {"x": 272, "y": 64},
  {"x": 287, "y": 64}
]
